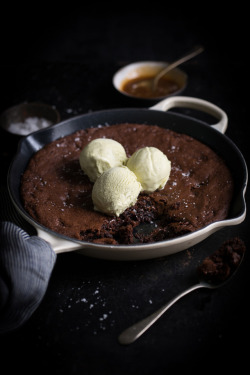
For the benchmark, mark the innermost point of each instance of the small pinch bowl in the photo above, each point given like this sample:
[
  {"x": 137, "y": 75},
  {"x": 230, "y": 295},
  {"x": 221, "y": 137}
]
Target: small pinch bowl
[
  {"x": 147, "y": 69},
  {"x": 13, "y": 116}
]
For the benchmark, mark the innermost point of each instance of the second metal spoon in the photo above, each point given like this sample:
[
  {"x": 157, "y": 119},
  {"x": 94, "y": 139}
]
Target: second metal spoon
[
  {"x": 153, "y": 82},
  {"x": 132, "y": 333}
]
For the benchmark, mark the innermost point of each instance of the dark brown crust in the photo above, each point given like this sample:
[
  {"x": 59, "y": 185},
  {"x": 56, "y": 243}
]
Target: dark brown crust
[{"x": 56, "y": 193}]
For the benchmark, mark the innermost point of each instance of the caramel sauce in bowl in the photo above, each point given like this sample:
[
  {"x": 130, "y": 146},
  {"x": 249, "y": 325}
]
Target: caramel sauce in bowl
[{"x": 127, "y": 78}]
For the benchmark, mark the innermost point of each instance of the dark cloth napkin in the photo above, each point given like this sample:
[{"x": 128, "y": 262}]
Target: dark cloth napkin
[{"x": 26, "y": 264}]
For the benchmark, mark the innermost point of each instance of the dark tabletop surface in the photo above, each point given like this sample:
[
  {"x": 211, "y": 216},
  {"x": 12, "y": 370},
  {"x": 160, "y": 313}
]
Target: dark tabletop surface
[{"x": 67, "y": 59}]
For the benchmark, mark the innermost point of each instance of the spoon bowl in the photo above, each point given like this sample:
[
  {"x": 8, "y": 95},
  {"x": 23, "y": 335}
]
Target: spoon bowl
[{"x": 215, "y": 271}]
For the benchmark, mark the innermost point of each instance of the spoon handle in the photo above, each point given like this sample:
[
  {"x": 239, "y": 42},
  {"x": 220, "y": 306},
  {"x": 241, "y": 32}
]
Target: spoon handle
[
  {"x": 135, "y": 331},
  {"x": 173, "y": 65}
]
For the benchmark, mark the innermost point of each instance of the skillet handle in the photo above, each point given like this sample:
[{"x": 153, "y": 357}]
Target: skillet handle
[
  {"x": 195, "y": 103},
  {"x": 58, "y": 245}
]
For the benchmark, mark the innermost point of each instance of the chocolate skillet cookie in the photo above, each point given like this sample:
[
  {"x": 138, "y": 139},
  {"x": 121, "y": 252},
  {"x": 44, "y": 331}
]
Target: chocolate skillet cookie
[{"x": 57, "y": 194}]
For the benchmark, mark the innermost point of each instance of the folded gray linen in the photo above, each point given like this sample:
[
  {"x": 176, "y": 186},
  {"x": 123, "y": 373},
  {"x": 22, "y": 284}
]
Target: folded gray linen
[{"x": 26, "y": 264}]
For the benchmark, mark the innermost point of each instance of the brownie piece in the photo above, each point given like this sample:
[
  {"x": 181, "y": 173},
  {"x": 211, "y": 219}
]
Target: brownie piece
[{"x": 220, "y": 265}]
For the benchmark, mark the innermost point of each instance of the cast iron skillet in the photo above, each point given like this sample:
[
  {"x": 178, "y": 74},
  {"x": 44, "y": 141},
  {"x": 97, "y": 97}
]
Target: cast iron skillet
[{"x": 210, "y": 135}]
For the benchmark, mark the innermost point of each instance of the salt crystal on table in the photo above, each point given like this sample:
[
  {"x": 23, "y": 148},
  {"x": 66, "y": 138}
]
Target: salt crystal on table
[{"x": 30, "y": 125}]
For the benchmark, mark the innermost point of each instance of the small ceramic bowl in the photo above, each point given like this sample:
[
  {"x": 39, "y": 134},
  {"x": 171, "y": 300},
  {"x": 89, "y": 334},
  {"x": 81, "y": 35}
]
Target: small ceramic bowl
[
  {"x": 25, "y": 118},
  {"x": 147, "y": 69}
]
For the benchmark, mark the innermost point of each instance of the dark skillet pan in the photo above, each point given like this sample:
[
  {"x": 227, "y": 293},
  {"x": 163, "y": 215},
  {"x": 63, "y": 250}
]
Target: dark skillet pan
[{"x": 210, "y": 135}]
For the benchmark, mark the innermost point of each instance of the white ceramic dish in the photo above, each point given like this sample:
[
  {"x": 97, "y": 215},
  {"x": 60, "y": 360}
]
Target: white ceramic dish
[{"x": 213, "y": 134}]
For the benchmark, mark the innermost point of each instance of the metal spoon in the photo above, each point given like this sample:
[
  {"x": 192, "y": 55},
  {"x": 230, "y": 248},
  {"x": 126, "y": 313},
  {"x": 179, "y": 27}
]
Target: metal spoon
[
  {"x": 132, "y": 333},
  {"x": 152, "y": 83}
]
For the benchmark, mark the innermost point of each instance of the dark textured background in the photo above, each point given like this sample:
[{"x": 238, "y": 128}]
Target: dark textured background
[{"x": 67, "y": 57}]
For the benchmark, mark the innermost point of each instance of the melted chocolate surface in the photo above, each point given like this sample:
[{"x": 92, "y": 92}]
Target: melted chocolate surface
[{"x": 57, "y": 194}]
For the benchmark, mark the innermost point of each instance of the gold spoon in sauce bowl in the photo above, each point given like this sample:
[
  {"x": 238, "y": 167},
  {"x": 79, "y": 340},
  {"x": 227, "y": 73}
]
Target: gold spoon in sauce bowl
[
  {"x": 215, "y": 271},
  {"x": 151, "y": 83}
]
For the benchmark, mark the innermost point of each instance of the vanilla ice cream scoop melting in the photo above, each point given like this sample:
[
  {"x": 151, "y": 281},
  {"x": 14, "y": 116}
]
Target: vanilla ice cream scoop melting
[
  {"x": 115, "y": 190},
  {"x": 151, "y": 167},
  {"x": 100, "y": 155}
]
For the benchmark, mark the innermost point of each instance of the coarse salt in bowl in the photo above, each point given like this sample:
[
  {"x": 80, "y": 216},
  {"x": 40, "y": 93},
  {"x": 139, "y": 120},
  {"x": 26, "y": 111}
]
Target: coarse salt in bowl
[{"x": 27, "y": 118}]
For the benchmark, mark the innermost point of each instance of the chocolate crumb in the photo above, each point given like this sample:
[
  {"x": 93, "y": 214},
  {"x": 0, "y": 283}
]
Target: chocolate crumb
[{"x": 220, "y": 265}]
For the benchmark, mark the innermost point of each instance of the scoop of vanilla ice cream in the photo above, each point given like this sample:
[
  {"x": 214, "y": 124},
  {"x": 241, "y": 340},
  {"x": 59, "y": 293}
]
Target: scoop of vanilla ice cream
[
  {"x": 100, "y": 155},
  {"x": 115, "y": 190},
  {"x": 151, "y": 167}
]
